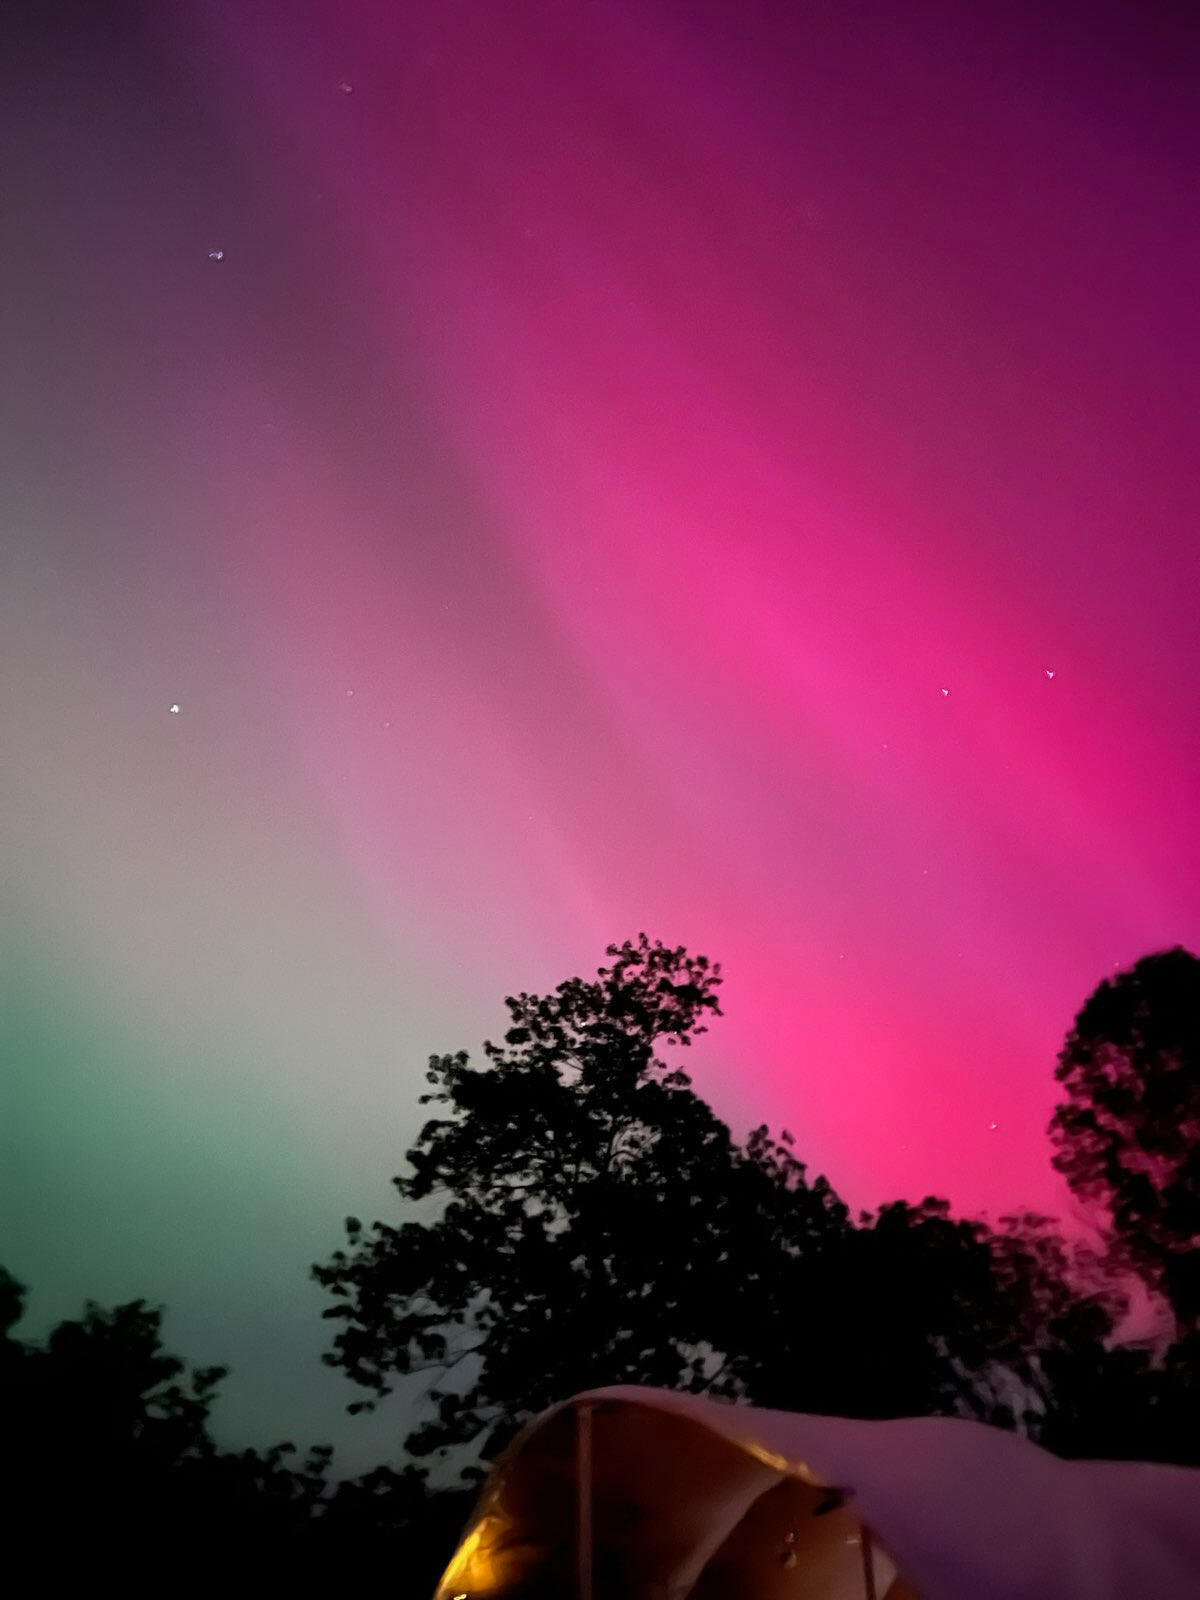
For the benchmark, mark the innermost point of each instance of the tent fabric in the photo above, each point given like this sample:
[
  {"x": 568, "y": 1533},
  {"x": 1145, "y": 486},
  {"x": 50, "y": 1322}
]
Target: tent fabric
[{"x": 687, "y": 1498}]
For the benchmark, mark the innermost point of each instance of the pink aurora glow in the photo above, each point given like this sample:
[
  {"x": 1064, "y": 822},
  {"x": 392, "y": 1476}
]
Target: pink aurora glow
[
  {"x": 774, "y": 376},
  {"x": 786, "y": 408}
]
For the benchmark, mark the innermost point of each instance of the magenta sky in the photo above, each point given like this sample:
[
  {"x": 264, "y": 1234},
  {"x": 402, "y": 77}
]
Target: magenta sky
[{"x": 727, "y": 470}]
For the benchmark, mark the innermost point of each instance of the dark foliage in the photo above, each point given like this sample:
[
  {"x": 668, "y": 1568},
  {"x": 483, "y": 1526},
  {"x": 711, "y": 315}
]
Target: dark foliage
[
  {"x": 115, "y": 1477},
  {"x": 591, "y": 1206},
  {"x": 577, "y": 1215},
  {"x": 921, "y": 1314},
  {"x": 593, "y": 1223},
  {"x": 1127, "y": 1133}
]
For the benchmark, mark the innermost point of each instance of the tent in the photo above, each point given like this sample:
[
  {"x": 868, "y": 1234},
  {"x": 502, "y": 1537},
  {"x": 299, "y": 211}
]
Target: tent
[{"x": 643, "y": 1494}]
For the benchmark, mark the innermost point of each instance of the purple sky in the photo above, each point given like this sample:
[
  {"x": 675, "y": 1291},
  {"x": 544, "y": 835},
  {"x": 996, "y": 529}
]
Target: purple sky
[{"x": 727, "y": 470}]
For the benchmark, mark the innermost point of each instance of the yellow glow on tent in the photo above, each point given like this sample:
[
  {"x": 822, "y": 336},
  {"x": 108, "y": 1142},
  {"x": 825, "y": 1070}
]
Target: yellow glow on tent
[{"x": 473, "y": 1566}]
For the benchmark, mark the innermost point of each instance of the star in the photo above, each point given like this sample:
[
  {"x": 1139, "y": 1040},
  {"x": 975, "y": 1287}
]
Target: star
[
  {"x": 945, "y": 691},
  {"x": 175, "y": 709},
  {"x": 1049, "y": 672}
]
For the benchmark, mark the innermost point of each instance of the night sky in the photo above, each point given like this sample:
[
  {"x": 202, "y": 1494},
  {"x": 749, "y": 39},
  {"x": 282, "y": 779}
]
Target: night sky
[{"x": 484, "y": 479}]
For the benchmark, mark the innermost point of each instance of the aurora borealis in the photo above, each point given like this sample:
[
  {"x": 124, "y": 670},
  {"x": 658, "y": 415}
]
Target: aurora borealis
[{"x": 483, "y": 479}]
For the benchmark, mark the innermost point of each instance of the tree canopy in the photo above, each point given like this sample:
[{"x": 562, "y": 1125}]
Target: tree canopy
[
  {"x": 105, "y": 1421},
  {"x": 596, "y": 1222},
  {"x": 1127, "y": 1134},
  {"x": 108, "y": 1435},
  {"x": 591, "y": 1221},
  {"x": 574, "y": 1214}
]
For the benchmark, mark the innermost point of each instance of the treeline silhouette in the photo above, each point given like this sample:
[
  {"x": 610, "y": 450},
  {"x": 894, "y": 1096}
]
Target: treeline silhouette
[
  {"x": 573, "y": 1214},
  {"x": 115, "y": 1477}
]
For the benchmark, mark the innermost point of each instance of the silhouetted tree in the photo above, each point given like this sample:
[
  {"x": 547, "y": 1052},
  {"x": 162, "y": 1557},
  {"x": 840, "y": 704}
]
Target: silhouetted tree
[
  {"x": 108, "y": 1434},
  {"x": 101, "y": 1413},
  {"x": 597, "y": 1223},
  {"x": 107, "y": 1440},
  {"x": 1127, "y": 1134},
  {"x": 919, "y": 1313},
  {"x": 587, "y": 1219}
]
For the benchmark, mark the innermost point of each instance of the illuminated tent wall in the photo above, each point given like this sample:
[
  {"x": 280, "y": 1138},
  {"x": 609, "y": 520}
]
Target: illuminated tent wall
[{"x": 642, "y": 1494}]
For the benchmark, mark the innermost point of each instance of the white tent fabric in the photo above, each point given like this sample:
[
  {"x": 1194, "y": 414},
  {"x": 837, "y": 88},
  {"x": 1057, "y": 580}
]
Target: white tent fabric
[{"x": 633, "y": 1492}]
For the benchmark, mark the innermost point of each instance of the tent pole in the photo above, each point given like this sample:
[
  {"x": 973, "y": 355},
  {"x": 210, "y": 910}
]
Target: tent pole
[
  {"x": 868, "y": 1563},
  {"x": 583, "y": 1501}
]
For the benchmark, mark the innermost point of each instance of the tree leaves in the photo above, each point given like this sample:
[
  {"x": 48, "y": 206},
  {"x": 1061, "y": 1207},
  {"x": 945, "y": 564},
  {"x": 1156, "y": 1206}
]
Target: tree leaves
[
  {"x": 1127, "y": 1135},
  {"x": 599, "y": 1224}
]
